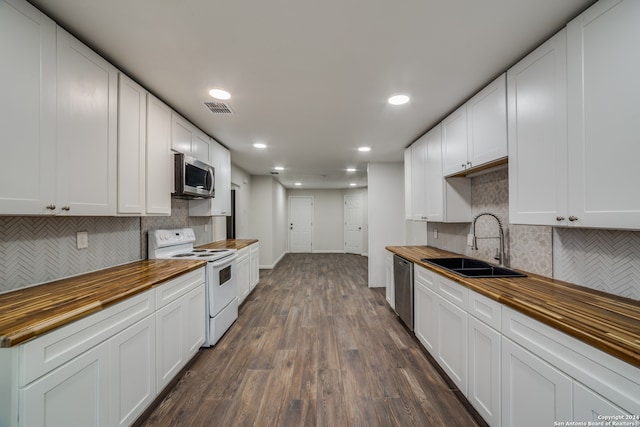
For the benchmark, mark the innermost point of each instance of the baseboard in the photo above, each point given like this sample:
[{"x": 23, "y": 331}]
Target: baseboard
[{"x": 272, "y": 266}]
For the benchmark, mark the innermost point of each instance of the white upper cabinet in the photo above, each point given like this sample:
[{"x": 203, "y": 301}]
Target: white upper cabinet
[
  {"x": 132, "y": 114},
  {"x": 537, "y": 102},
  {"x": 220, "y": 205},
  {"x": 476, "y": 134},
  {"x": 419, "y": 180},
  {"x": 603, "y": 110},
  {"x": 454, "y": 142},
  {"x": 408, "y": 185},
  {"x": 188, "y": 139},
  {"x": 27, "y": 110},
  {"x": 86, "y": 130},
  {"x": 159, "y": 158}
]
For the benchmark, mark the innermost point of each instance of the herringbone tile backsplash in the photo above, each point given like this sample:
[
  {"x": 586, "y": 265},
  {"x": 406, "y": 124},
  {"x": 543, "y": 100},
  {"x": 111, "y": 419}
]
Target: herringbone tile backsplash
[
  {"x": 40, "y": 249},
  {"x": 607, "y": 260}
]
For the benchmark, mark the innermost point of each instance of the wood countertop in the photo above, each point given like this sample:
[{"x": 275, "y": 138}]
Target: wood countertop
[
  {"x": 229, "y": 244},
  {"x": 33, "y": 311},
  {"x": 607, "y": 322}
]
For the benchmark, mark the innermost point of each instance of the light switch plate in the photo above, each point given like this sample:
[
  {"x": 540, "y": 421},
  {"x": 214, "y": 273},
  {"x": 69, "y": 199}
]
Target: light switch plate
[{"x": 82, "y": 239}]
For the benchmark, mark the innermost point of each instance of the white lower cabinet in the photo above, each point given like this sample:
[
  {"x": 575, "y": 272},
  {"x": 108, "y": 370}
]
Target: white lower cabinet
[
  {"x": 590, "y": 406},
  {"x": 133, "y": 377},
  {"x": 76, "y": 394},
  {"x": 244, "y": 274},
  {"x": 425, "y": 308},
  {"x": 483, "y": 390},
  {"x": 534, "y": 392},
  {"x": 103, "y": 369},
  {"x": 451, "y": 347},
  {"x": 254, "y": 257}
]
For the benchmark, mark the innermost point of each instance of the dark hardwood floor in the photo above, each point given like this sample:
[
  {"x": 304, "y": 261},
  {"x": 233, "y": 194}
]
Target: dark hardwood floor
[{"x": 313, "y": 346}]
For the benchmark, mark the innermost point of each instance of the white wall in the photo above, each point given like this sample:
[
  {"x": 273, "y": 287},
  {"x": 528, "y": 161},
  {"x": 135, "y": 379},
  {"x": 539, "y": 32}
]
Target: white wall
[
  {"x": 386, "y": 215},
  {"x": 328, "y": 217},
  {"x": 267, "y": 218}
]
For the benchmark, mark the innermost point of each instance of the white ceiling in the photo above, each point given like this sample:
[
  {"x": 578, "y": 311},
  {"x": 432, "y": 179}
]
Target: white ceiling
[{"x": 311, "y": 78}]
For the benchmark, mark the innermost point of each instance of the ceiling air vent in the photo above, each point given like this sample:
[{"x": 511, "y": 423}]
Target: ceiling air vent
[{"x": 218, "y": 107}]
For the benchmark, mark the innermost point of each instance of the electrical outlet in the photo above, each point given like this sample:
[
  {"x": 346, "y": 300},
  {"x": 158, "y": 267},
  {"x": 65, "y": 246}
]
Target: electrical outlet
[
  {"x": 82, "y": 239},
  {"x": 470, "y": 240},
  {"x": 435, "y": 233}
]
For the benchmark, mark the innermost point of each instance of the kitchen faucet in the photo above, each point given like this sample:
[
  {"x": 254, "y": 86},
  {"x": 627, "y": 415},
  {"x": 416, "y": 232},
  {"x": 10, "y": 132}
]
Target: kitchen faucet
[{"x": 500, "y": 257}]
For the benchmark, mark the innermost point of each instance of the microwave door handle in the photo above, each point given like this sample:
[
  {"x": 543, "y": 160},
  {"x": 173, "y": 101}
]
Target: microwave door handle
[{"x": 210, "y": 171}]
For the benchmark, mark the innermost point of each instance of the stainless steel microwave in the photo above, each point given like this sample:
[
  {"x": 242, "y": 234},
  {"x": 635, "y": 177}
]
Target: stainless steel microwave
[{"x": 193, "y": 179}]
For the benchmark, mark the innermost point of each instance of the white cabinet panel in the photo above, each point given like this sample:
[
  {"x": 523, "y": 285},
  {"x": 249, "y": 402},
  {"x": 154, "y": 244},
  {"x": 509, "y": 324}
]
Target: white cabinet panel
[
  {"x": 159, "y": 158},
  {"x": 133, "y": 371},
  {"x": 389, "y": 284},
  {"x": 255, "y": 264},
  {"x": 188, "y": 139},
  {"x": 170, "y": 351},
  {"x": 603, "y": 93},
  {"x": 196, "y": 321},
  {"x": 132, "y": 117},
  {"x": 589, "y": 406},
  {"x": 87, "y": 130},
  {"x": 408, "y": 185},
  {"x": 534, "y": 393},
  {"x": 220, "y": 205},
  {"x": 451, "y": 347},
  {"x": 76, "y": 394},
  {"x": 454, "y": 142},
  {"x": 484, "y": 371},
  {"x": 487, "y": 124},
  {"x": 537, "y": 99},
  {"x": 243, "y": 274},
  {"x": 419, "y": 179},
  {"x": 27, "y": 109},
  {"x": 425, "y": 312}
]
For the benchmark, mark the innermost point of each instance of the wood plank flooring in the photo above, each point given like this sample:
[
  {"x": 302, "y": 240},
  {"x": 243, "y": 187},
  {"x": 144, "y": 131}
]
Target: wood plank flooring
[{"x": 313, "y": 346}]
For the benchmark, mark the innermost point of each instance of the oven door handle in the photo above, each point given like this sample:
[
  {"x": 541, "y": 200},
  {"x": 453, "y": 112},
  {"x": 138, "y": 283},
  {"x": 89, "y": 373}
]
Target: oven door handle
[{"x": 228, "y": 260}]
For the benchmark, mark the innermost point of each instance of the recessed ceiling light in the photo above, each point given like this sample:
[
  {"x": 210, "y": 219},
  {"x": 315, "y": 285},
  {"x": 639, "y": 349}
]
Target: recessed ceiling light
[
  {"x": 364, "y": 149},
  {"x": 298, "y": 183},
  {"x": 398, "y": 99},
  {"x": 279, "y": 168},
  {"x": 351, "y": 169},
  {"x": 260, "y": 145},
  {"x": 220, "y": 94}
]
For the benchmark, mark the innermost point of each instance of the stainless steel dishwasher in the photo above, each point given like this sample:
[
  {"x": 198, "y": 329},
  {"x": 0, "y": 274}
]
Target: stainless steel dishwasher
[{"x": 403, "y": 287}]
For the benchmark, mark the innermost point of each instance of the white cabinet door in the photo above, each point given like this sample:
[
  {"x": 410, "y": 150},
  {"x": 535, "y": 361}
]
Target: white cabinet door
[
  {"x": 588, "y": 405},
  {"x": 425, "y": 314},
  {"x": 434, "y": 181},
  {"x": 419, "y": 180},
  {"x": 243, "y": 274},
  {"x": 454, "y": 142},
  {"x": 603, "y": 93},
  {"x": 181, "y": 134},
  {"x": 534, "y": 393},
  {"x": 200, "y": 148},
  {"x": 170, "y": 350},
  {"x": 408, "y": 188},
  {"x": 451, "y": 347},
  {"x": 390, "y": 290},
  {"x": 87, "y": 130},
  {"x": 27, "y": 110},
  {"x": 195, "y": 322},
  {"x": 74, "y": 395},
  {"x": 537, "y": 99},
  {"x": 133, "y": 371},
  {"x": 255, "y": 264},
  {"x": 487, "y": 124},
  {"x": 484, "y": 371},
  {"x": 132, "y": 117},
  {"x": 159, "y": 160}
]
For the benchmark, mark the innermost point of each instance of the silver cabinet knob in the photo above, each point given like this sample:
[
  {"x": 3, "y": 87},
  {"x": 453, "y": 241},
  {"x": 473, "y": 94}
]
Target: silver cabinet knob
[
  {"x": 51, "y": 207},
  {"x": 66, "y": 208},
  {"x": 463, "y": 165},
  {"x": 559, "y": 218},
  {"x": 573, "y": 218}
]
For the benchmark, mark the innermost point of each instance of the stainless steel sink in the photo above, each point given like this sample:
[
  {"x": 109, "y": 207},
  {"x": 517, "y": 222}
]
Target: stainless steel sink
[{"x": 468, "y": 267}]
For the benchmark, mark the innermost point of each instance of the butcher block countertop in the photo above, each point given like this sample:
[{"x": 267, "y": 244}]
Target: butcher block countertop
[
  {"x": 229, "y": 244},
  {"x": 607, "y": 322},
  {"x": 33, "y": 311}
]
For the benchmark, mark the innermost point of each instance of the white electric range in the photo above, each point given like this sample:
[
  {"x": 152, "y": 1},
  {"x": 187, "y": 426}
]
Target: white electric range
[{"x": 220, "y": 276}]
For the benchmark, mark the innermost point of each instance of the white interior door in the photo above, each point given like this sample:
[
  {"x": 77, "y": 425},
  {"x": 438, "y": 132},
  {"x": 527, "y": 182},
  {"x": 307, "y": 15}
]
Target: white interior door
[
  {"x": 300, "y": 223},
  {"x": 353, "y": 223}
]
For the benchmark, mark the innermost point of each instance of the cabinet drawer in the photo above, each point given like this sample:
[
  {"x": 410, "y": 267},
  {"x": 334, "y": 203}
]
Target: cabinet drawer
[
  {"x": 49, "y": 351},
  {"x": 485, "y": 309},
  {"x": 428, "y": 278},
  {"x": 175, "y": 288},
  {"x": 243, "y": 253}
]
